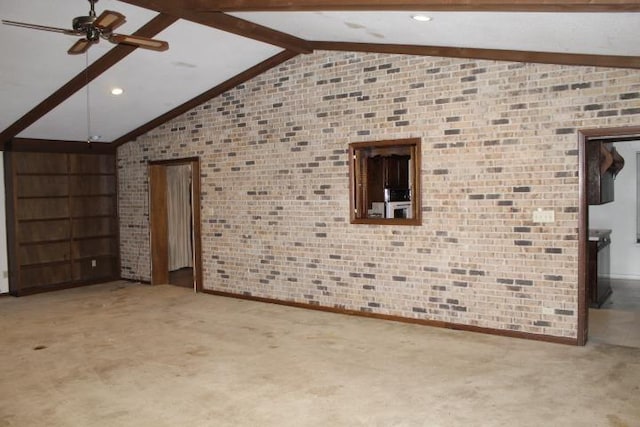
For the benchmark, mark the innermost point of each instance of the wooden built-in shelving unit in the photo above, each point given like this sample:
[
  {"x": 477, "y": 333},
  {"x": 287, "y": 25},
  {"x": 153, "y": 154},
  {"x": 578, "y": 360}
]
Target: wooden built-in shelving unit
[{"x": 62, "y": 225}]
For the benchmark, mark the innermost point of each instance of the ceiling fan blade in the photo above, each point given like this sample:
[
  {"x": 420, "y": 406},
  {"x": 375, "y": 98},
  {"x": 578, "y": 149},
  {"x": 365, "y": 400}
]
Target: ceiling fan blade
[
  {"x": 109, "y": 20},
  {"x": 138, "y": 41},
  {"x": 81, "y": 46},
  {"x": 41, "y": 27}
]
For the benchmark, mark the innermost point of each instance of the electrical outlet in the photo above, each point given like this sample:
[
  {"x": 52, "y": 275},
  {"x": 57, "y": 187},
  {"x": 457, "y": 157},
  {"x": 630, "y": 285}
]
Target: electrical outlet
[
  {"x": 93, "y": 263},
  {"x": 541, "y": 215},
  {"x": 5, "y": 274}
]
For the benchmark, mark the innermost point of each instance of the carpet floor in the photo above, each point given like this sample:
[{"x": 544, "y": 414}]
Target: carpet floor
[{"x": 126, "y": 354}]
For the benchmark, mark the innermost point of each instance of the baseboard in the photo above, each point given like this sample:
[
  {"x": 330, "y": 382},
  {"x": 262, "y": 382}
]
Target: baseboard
[
  {"x": 58, "y": 287},
  {"x": 624, "y": 277},
  {"x": 144, "y": 282},
  {"x": 424, "y": 322}
]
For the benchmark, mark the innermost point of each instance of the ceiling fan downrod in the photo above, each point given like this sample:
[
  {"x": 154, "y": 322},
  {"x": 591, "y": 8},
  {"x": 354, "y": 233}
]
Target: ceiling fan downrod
[{"x": 85, "y": 23}]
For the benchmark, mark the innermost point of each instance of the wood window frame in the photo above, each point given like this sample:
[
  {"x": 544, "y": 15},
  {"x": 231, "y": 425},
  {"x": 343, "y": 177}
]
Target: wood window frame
[{"x": 358, "y": 180}]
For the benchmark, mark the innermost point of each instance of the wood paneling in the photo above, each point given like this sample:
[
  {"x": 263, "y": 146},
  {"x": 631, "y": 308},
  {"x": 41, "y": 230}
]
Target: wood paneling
[
  {"x": 42, "y": 208},
  {"x": 43, "y": 277},
  {"x": 92, "y": 185},
  {"x": 42, "y": 186},
  {"x": 42, "y": 231},
  {"x": 44, "y": 253},
  {"x": 94, "y": 227},
  {"x": 45, "y": 163},
  {"x": 86, "y": 270},
  {"x": 62, "y": 220},
  {"x": 93, "y": 206},
  {"x": 91, "y": 248},
  {"x": 91, "y": 164}
]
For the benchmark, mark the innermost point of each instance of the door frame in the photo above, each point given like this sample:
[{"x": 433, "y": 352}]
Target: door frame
[
  {"x": 584, "y": 136},
  {"x": 158, "y": 238}
]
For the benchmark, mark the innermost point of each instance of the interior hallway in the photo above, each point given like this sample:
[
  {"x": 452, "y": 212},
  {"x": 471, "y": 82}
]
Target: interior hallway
[
  {"x": 618, "y": 320},
  {"x": 123, "y": 354}
]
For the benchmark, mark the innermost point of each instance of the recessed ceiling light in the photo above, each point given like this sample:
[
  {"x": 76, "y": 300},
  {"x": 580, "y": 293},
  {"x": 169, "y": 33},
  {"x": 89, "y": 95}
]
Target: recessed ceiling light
[
  {"x": 117, "y": 91},
  {"x": 95, "y": 137},
  {"x": 421, "y": 18}
]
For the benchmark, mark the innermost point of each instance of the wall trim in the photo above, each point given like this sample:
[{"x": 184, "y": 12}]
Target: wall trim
[
  {"x": 55, "y": 146},
  {"x": 423, "y": 322},
  {"x": 624, "y": 276},
  {"x": 134, "y": 281},
  {"x": 59, "y": 287}
]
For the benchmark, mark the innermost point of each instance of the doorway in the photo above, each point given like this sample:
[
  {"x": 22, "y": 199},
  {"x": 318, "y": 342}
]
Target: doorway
[
  {"x": 611, "y": 135},
  {"x": 174, "y": 217}
]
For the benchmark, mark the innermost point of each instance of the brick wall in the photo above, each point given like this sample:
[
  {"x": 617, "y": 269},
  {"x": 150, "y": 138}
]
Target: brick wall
[{"x": 498, "y": 139}]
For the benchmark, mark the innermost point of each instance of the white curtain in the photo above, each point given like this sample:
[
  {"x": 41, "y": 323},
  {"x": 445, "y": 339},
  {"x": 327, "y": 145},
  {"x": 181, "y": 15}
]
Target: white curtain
[{"x": 179, "y": 212}]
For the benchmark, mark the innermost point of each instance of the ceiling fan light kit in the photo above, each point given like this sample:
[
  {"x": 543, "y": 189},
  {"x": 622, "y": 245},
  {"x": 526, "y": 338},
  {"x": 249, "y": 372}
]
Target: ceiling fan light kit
[{"x": 93, "y": 27}]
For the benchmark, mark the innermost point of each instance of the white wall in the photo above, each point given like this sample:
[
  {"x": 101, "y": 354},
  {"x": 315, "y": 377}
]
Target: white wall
[
  {"x": 4, "y": 281},
  {"x": 620, "y": 216}
]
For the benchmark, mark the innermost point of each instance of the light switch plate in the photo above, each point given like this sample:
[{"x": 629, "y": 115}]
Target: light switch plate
[{"x": 541, "y": 215}]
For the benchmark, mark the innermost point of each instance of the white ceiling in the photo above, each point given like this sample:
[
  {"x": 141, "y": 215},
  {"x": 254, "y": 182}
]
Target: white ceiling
[
  {"x": 590, "y": 33},
  {"x": 35, "y": 63}
]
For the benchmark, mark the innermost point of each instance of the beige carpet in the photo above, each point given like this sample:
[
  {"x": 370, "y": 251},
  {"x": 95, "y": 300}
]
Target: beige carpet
[{"x": 125, "y": 354}]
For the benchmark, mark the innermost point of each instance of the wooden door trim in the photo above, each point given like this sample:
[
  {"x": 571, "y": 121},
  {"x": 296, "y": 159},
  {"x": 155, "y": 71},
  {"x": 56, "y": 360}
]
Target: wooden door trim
[
  {"x": 196, "y": 213},
  {"x": 158, "y": 239},
  {"x": 584, "y": 136}
]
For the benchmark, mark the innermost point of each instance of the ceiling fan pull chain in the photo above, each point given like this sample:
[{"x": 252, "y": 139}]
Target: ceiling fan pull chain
[{"x": 86, "y": 76}]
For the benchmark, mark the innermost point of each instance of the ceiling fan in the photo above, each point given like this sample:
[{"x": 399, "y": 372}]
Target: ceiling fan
[{"x": 92, "y": 27}]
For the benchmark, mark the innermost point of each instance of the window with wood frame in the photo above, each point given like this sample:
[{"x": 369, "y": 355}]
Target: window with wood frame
[{"x": 385, "y": 182}]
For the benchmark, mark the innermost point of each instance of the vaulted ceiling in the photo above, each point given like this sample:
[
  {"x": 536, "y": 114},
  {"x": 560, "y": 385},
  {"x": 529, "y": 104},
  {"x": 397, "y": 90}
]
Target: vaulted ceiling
[{"x": 49, "y": 95}]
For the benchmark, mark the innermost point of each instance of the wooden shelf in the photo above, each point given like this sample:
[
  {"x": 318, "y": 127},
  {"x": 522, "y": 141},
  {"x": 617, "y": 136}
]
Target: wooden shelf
[
  {"x": 66, "y": 196},
  {"x": 106, "y": 236},
  {"x": 43, "y": 242},
  {"x": 42, "y": 174},
  {"x": 45, "y": 264},
  {"x": 61, "y": 216},
  {"x": 91, "y": 217},
  {"x": 45, "y": 219}
]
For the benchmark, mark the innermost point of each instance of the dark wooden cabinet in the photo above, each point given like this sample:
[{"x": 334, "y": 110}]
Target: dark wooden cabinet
[
  {"x": 598, "y": 273},
  {"x": 397, "y": 171},
  {"x": 62, "y": 220},
  {"x": 375, "y": 179},
  {"x": 386, "y": 172},
  {"x": 603, "y": 164}
]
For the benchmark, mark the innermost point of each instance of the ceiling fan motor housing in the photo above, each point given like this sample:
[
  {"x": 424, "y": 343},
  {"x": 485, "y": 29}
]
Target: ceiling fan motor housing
[
  {"x": 94, "y": 27},
  {"x": 85, "y": 25}
]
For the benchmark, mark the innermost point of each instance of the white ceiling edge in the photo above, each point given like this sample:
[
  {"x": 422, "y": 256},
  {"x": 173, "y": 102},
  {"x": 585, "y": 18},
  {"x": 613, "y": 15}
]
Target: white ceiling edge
[
  {"x": 584, "y": 33},
  {"x": 199, "y": 58}
]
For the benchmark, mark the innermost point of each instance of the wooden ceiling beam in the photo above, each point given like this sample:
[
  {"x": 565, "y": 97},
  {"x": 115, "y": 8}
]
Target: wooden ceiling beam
[
  {"x": 215, "y": 19},
  {"x": 491, "y": 54},
  {"x": 223, "y": 87},
  {"x": 106, "y": 61},
  {"x": 427, "y": 5},
  {"x": 56, "y": 146}
]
